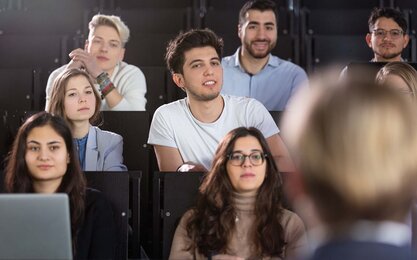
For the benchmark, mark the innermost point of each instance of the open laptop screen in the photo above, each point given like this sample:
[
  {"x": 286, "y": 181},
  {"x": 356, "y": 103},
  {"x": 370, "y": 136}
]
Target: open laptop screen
[{"x": 35, "y": 226}]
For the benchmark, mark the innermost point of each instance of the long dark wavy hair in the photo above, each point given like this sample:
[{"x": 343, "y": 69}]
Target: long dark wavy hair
[
  {"x": 18, "y": 178},
  {"x": 213, "y": 222}
]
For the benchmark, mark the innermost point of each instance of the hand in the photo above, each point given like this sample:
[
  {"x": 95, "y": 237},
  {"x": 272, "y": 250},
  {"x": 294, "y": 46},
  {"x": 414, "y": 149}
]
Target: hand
[
  {"x": 88, "y": 61},
  {"x": 75, "y": 65},
  {"x": 191, "y": 167}
]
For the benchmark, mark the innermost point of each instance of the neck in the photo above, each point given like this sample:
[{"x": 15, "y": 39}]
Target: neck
[
  {"x": 79, "y": 129},
  {"x": 250, "y": 64},
  {"x": 47, "y": 187},
  {"x": 381, "y": 59},
  {"x": 206, "y": 111}
]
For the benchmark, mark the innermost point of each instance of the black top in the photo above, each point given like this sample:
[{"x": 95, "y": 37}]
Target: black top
[{"x": 97, "y": 237}]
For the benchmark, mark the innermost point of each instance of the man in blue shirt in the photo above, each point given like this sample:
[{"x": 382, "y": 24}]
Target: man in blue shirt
[{"x": 252, "y": 71}]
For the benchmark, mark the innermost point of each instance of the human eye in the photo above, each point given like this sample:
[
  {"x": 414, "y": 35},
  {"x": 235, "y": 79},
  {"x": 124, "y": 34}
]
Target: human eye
[
  {"x": 380, "y": 32},
  {"x": 89, "y": 92},
  {"x": 54, "y": 147},
  {"x": 215, "y": 63},
  {"x": 71, "y": 94},
  {"x": 252, "y": 26},
  {"x": 395, "y": 33},
  {"x": 196, "y": 65},
  {"x": 114, "y": 45},
  {"x": 256, "y": 156},
  {"x": 270, "y": 28},
  {"x": 237, "y": 157},
  {"x": 33, "y": 148}
]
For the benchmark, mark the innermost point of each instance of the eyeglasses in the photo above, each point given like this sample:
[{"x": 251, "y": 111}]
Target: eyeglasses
[
  {"x": 238, "y": 159},
  {"x": 394, "y": 33}
]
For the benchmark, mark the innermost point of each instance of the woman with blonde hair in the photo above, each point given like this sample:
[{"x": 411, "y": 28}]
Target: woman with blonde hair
[
  {"x": 356, "y": 152},
  {"x": 400, "y": 76}
]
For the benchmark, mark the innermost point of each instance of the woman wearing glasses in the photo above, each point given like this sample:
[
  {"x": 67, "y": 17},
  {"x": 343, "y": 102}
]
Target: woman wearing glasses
[
  {"x": 239, "y": 212},
  {"x": 400, "y": 76}
]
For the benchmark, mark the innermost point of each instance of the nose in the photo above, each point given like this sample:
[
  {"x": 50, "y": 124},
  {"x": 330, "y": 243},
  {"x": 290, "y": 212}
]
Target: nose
[
  {"x": 247, "y": 162},
  {"x": 104, "y": 47},
  {"x": 82, "y": 99},
  {"x": 209, "y": 71},
  {"x": 43, "y": 155}
]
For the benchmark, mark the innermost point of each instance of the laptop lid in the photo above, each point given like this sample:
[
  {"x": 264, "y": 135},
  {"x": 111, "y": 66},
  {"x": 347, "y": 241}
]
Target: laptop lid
[{"x": 35, "y": 226}]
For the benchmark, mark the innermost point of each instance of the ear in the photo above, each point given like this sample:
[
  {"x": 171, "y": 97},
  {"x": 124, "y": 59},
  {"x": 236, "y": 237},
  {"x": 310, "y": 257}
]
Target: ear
[
  {"x": 122, "y": 54},
  {"x": 239, "y": 30},
  {"x": 406, "y": 40},
  {"x": 68, "y": 158},
  {"x": 368, "y": 40},
  {"x": 178, "y": 80},
  {"x": 86, "y": 44}
]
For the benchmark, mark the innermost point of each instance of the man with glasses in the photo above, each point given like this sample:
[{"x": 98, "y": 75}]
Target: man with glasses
[{"x": 387, "y": 35}]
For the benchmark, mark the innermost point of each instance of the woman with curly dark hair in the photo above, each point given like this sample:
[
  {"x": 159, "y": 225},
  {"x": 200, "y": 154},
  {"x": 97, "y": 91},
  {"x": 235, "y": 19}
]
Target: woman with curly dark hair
[
  {"x": 239, "y": 212},
  {"x": 43, "y": 160}
]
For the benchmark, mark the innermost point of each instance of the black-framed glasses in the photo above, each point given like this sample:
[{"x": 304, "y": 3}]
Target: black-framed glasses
[
  {"x": 394, "y": 33},
  {"x": 238, "y": 159}
]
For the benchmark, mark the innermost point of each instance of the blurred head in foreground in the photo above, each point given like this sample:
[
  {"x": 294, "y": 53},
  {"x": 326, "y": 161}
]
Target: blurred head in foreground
[
  {"x": 356, "y": 151},
  {"x": 399, "y": 76}
]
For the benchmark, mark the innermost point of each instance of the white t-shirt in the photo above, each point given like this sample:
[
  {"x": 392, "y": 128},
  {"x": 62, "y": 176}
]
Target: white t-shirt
[
  {"x": 127, "y": 79},
  {"x": 173, "y": 125}
]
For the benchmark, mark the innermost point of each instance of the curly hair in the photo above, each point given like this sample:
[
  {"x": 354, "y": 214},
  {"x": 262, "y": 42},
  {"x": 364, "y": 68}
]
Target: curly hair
[
  {"x": 213, "y": 222},
  {"x": 18, "y": 178}
]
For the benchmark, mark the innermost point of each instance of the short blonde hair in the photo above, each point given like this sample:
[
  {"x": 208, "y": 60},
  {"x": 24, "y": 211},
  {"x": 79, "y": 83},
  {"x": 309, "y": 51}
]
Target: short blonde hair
[
  {"x": 112, "y": 21},
  {"x": 402, "y": 70},
  {"x": 357, "y": 154}
]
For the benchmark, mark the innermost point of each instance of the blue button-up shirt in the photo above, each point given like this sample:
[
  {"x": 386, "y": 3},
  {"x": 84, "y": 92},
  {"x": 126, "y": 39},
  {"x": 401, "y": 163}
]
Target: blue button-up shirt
[{"x": 273, "y": 86}]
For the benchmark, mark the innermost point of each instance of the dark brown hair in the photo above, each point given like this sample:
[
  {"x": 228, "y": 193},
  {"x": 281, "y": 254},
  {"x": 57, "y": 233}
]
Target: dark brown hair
[
  {"x": 260, "y": 5},
  {"x": 211, "y": 226},
  {"x": 386, "y": 12},
  {"x": 194, "y": 38},
  {"x": 18, "y": 178}
]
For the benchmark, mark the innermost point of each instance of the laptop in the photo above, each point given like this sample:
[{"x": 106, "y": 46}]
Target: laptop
[{"x": 35, "y": 226}]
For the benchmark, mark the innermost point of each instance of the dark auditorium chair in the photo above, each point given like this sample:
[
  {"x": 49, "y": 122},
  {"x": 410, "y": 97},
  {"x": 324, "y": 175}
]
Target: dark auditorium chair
[
  {"x": 122, "y": 189},
  {"x": 277, "y": 116},
  {"x": 173, "y": 194},
  {"x": 335, "y": 21},
  {"x": 18, "y": 89},
  {"x": 115, "y": 187},
  {"x": 131, "y": 4},
  {"x": 342, "y": 4}
]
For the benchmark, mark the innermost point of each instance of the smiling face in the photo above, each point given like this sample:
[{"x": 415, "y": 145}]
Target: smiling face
[
  {"x": 79, "y": 100},
  {"x": 105, "y": 44},
  {"x": 258, "y": 33},
  {"x": 247, "y": 177},
  {"x": 387, "y": 48},
  {"x": 46, "y": 156},
  {"x": 202, "y": 76}
]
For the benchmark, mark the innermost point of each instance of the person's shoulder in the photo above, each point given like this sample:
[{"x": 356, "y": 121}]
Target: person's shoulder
[
  {"x": 173, "y": 106},
  {"x": 287, "y": 64},
  {"x": 125, "y": 68},
  {"x": 58, "y": 71},
  {"x": 240, "y": 101},
  {"x": 106, "y": 133},
  {"x": 291, "y": 219}
]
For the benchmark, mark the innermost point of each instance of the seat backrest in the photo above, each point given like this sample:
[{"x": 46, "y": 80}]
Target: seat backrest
[
  {"x": 174, "y": 193},
  {"x": 115, "y": 187}
]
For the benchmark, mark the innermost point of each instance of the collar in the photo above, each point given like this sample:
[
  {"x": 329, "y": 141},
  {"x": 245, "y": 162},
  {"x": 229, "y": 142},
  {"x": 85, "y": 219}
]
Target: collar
[{"x": 273, "y": 61}]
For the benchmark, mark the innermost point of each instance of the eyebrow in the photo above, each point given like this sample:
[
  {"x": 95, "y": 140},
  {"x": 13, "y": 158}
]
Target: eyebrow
[
  {"x": 258, "y": 23},
  {"x": 48, "y": 143},
  {"x": 252, "y": 150},
  {"x": 86, "y": 87},
  {"x": 101, "y": 38},
  {"x": 200, "y": 60}
]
